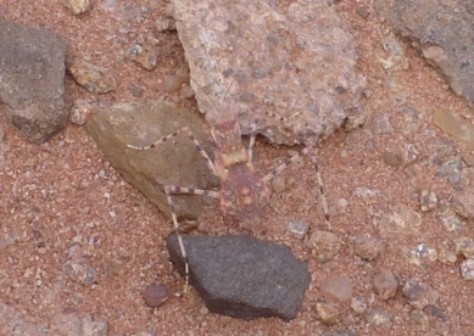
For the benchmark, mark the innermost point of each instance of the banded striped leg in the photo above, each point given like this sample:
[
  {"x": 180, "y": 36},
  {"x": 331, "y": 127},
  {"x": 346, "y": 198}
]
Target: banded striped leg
[
  {"x": 322, "y": 194},
  {"x": 191, "y": 136},
  {"x": 169, "y": 190},
  {"x": 251, "y": 143}
]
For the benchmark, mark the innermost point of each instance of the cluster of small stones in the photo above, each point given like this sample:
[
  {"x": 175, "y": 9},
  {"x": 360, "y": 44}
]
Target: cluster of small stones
[
  {"x": 402, "y": 219},
  {"x": 457, "y": 170},
  {"x": 337, "y": 289}
]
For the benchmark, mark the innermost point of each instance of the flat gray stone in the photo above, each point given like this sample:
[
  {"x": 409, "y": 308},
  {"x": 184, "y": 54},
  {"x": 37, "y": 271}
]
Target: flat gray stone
[
  {"x": 442, "y": 32},
  {"x": 175, "y": 162},
  {"x": 32, "y": 69},
  {"x": 288, "y": 70},
  {"x": 243, "y": 277}
]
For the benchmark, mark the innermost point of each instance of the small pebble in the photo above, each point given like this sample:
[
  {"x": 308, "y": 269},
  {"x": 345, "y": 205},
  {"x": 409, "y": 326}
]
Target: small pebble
[
  {"x": 80, "y": 111},
  {"x": 392, "y": 159},
  {"x": 425, "y": 252},
  {"x": 367, "y": 247},
  {"x": 80, "y": 271},
  {"x": 410, "y": 154},
  {"x": 358, "y": 305},
  {"x": 452, "y": 171},
  {"x": 461, "y": 205},
  {"x": 428, "y": 200},
  {"x": 420, "y": 319},
  {"x": 363, "y": 11},
  {"x": 144, "y": 52},
  {"x": 465, "y": 247},
  {"x": 94, "y": 79},
  {"x": 78, "y": 6},
  {"x": 328, "y": 312},
  {"x": 337, "y": 287},
  {"x": 378, "y": 317},
  {"x": 155, "y": 295},
  {"x": 447, "y": 252},
  {"x": 324, "y": 244},
  {"x": 385, "y": 284},
  {"x": 114, "y": 268},
  {"x": 298, "y": 228},
  {"x": 467, "y": 269},
  {"x": 401, "y": 220},
  {"x": 451, "y": 221},
  {"x": 419, "y": 294},
  {"x": 136, "y": 90},
  {"x": 436, "y": 312},
  {"x": 278, "y": 183}
]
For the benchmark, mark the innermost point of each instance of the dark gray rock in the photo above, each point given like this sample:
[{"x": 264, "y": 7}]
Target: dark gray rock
[
  {"x": 176, "y": 162},
  {"x": 243, "y": 277},
  {"x": 287, "y": 69},
  {"x": 32, "y": 69},
  {"x": 442, "y": 32}
]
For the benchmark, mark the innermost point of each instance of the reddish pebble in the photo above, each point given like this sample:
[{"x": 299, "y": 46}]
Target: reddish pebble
[{"x": 155, "y": 295}]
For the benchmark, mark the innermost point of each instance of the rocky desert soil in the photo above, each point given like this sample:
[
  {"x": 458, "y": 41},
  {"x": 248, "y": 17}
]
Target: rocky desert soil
[{"x": 79, "y": 244}]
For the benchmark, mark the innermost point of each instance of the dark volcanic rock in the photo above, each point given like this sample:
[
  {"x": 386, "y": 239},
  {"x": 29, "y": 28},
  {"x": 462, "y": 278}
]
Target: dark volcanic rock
[
  {"x": 243, "y": 277},
  {"x": 32, "y": 69},
  {"x": 442, "y": 31}
]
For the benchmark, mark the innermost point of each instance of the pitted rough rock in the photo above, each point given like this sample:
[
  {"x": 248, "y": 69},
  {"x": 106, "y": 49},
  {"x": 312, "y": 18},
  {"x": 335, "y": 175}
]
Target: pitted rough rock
[
  {"x": 243, "y": 277},
  {"x": 288, "y": 70},
  {"x": 176, "y": 162},
  {"x": 32, "y": 68},
  {"x": 442, "y": 32}
]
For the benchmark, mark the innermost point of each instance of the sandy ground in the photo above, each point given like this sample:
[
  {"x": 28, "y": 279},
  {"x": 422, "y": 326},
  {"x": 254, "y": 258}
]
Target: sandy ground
[{"x": 61, "y": 200}]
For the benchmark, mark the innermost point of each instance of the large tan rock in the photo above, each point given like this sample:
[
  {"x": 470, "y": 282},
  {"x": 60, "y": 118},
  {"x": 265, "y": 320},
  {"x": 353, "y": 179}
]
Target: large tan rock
[{"x": 175, "y": 162}]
